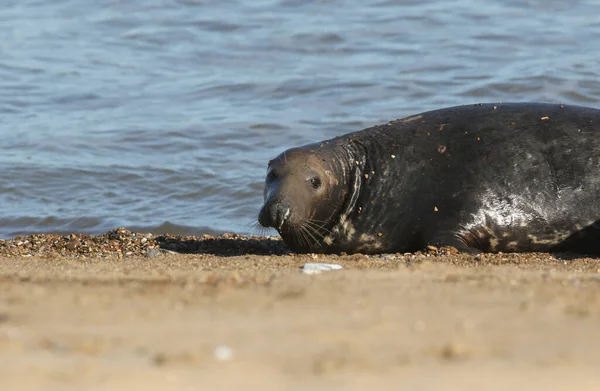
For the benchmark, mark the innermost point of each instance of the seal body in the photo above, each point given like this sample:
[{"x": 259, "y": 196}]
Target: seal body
[{"x": 511, "y": 177}]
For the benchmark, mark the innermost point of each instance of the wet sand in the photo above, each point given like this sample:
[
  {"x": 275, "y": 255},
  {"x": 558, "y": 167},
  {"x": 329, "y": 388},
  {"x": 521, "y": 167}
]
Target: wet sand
[{"x": 255, "y": 321}]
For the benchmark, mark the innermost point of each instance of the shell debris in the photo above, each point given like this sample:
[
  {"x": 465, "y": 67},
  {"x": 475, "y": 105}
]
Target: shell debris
[
  {"x": 223, "y": 353},
  {"x": 316, "y": 268}
]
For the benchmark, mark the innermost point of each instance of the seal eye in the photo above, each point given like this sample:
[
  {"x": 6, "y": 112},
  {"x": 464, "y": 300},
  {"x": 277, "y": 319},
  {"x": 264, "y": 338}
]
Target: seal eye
[{"x": 315, "y": 182}]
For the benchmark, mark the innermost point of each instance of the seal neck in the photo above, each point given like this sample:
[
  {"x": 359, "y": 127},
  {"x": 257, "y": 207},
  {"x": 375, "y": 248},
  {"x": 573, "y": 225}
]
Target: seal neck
[{"x": 352, "y": 159}]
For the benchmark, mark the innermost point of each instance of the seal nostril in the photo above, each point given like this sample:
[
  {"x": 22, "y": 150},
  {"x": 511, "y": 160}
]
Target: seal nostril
[
  {"x": 262, "y": 218},
  {"x": 265, "y": 217},
  {"x": 271, "y": 176}
]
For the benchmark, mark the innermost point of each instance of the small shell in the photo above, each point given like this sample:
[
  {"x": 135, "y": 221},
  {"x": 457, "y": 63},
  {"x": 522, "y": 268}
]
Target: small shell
[
  {"x": 223, "y": 353},
  {"x": 316, "y": 268}
]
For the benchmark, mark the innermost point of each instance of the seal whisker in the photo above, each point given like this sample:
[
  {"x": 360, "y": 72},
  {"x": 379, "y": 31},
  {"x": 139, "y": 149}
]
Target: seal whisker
[
  {"x": 258, "y": 230},
  {"x": 319, "y": 229},
  {"x": 320, "y": 223},
  {"x": 309, "y": 238},
  {"x": 303, "y": 236},
  {"x": 251, "y": 224},
  {"x": 316, "y": 221},
  {"x": 310, "y": 231}
]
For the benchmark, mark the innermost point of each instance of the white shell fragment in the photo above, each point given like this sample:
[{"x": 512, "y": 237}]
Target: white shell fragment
[
  {"x": 223, "y": 353},
  {"x": 316, "y": 268}
]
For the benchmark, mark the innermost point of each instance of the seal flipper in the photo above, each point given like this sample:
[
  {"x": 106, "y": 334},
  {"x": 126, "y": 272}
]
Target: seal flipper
[{"x": 585, "y": 241}]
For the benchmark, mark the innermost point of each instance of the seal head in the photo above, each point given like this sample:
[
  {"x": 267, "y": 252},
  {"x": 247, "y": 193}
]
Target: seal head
[{"x": 303, "y": 194}]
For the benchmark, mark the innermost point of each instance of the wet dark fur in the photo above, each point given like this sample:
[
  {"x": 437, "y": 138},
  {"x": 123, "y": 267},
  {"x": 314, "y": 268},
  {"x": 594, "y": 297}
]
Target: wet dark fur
[{"x": 487, "y": 177}]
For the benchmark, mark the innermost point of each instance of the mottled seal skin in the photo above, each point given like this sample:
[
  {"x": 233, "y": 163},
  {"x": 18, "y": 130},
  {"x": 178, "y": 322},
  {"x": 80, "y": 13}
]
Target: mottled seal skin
[{"x": 511, "y": 177}]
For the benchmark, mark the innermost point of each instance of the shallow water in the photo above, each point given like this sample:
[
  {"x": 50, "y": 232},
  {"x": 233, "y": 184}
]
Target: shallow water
[{"x": 161, "y": 115}]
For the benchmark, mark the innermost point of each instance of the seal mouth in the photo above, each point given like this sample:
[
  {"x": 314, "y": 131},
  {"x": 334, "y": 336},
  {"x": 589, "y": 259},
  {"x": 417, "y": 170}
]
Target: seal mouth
[{"x": 286, "y": 215}]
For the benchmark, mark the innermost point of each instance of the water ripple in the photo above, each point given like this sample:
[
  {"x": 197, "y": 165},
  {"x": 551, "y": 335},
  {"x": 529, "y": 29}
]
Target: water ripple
[{"x": 162, "y": 114}]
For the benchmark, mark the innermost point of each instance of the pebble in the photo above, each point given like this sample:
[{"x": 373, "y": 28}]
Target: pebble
[
  {"x": 122, "y": 242},
  {"x": 454, "y": 351},
  {"x": 388, "y": 257},
  {"x": 153, "y": 253},
  {"x": 223, "y": 353},
  {"x": 316, "y": 268}
]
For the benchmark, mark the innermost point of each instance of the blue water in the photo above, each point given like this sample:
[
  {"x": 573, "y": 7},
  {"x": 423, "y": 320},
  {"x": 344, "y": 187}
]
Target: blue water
[{"x": 161, "y": 115}]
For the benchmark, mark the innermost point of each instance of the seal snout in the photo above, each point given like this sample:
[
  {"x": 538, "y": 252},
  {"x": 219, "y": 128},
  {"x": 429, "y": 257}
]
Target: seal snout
[{"x": 273, "y": 215}]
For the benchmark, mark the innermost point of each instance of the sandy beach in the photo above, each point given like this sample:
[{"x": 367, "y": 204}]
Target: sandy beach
[{"x": 232, "y": 319}]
